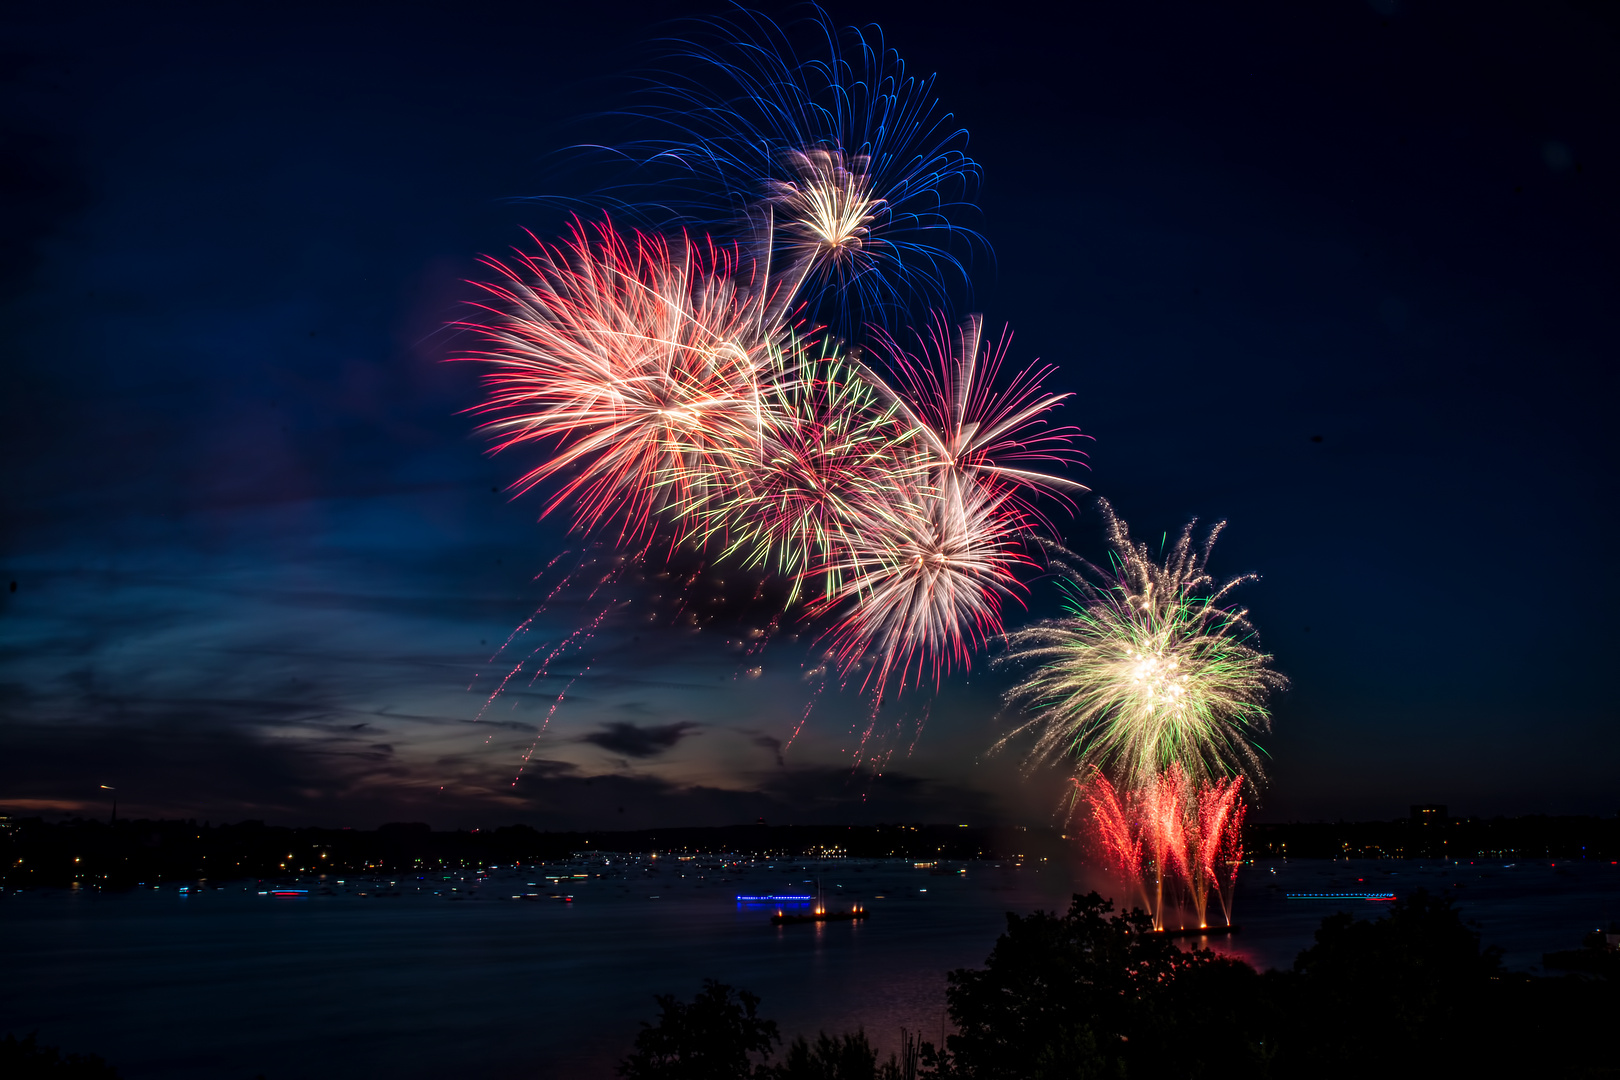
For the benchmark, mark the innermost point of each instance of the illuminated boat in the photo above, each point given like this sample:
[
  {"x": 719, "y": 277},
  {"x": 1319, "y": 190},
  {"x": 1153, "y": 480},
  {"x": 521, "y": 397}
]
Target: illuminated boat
[{"x": 820, "y": 914}]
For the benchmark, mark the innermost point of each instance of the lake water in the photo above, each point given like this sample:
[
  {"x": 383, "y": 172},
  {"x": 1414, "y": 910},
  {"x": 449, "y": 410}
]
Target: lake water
[{"x": 453, "y": 977}]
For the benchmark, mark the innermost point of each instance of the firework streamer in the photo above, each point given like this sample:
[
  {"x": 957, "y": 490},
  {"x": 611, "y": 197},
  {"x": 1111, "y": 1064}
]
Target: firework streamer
[
  {"x": 1152, "y": 667},
  {"x": 836, "y": 162}
]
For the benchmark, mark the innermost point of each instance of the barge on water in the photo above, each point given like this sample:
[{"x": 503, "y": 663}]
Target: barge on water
[
  {"x": 820, "y": 914},
  {"x": 1198, "y": 931}
]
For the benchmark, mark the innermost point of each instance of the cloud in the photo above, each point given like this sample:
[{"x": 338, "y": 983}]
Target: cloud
[
  {"x": 774, "y": 745},
  {"x": 638, "y": 742}
]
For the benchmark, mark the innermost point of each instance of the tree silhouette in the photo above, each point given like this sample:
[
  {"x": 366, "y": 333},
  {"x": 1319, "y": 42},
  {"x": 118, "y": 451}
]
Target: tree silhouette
[{"x": 711, "y": 1038}]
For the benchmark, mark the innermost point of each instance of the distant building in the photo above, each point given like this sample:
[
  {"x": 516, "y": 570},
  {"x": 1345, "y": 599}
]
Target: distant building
[{"x": 1429, "y": 828}]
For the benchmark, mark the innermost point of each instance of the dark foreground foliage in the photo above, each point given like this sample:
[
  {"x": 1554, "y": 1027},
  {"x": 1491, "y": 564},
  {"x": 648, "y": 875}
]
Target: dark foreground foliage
[
  {"x": 1095, "y": 995},
  {"x": 25, "y": 1059},
  {"x": 718, "y": 1036},
  {"x": 713, "y": 1038}
]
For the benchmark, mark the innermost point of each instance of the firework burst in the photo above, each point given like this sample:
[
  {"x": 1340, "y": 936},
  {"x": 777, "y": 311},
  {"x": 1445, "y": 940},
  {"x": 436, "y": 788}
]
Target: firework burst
[
  {"x": 1151, "y": 668},
  {"x": 842, "y": 165},
  {"x": 926, "y": 569},
  {"x": 829, "y": 448},
  {"x": 970, "y": 429},
  {"x": 826, "y": 212},
  {"x": 636, "y": 361}
]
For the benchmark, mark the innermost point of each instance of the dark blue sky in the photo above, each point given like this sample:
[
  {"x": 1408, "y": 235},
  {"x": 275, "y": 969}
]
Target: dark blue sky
[{"x": 257, "y": 556}]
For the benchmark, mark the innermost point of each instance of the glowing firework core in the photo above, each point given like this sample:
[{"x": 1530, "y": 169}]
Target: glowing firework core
[
  {"x": 1150, "y": 670},
  {"x": 828, "y": 209}
]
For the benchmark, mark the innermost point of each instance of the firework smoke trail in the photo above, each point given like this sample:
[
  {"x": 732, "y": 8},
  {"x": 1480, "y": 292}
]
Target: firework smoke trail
[
  {"x": 829, "y": 445},
  {"x": 844, "y": 167},
  {"x": 1149, "y": 669},
  {"x": 636, "y": 360}
]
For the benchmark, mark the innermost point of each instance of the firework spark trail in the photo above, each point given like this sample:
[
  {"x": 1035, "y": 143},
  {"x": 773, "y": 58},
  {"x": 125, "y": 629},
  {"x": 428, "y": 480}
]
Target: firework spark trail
[
  {"x": 636, "y": 360},
  {"x": 577, "y": 638},
  {"x": 580, "y": 634},
  {"x": 1147, "y": 670},
  {"x": 523, "y": 628},
  {"x": 521, "y": 664},
  {"x": 529, "y": 753},
  {"x": 845, "y": 165},
  {"x": 922, "y": 721},
  {"x": 820, "y": 674}
]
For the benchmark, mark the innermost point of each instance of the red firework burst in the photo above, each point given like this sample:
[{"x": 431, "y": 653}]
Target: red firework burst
[{"x": 635, "y": 360}]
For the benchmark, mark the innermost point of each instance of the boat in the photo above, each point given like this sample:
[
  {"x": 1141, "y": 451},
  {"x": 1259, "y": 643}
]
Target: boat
[
  {"x": 1199, "y": 931},
  {"x": 819, "y": 913}
]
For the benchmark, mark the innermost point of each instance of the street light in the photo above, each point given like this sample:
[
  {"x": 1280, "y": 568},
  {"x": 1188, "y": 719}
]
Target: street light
[{"x": 108, "y": 787}]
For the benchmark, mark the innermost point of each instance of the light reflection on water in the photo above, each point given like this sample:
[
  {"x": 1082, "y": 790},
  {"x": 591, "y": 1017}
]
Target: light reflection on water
[{"x": 229, "y": 982}]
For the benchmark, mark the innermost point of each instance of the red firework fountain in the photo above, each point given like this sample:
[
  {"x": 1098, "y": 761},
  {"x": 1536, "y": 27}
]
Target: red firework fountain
[{"x": 1174, "y": 830}]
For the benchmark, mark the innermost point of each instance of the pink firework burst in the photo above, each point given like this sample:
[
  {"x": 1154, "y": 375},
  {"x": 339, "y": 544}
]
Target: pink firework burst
[
  {"x": 969, "y": 427},
  {"x": 635, "y": 361},
  {"x": 924, "y": 572}
]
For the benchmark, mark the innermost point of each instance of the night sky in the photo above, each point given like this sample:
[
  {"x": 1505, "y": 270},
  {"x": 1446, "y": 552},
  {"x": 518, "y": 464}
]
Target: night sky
[{"x": 1341, "y": 274}]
